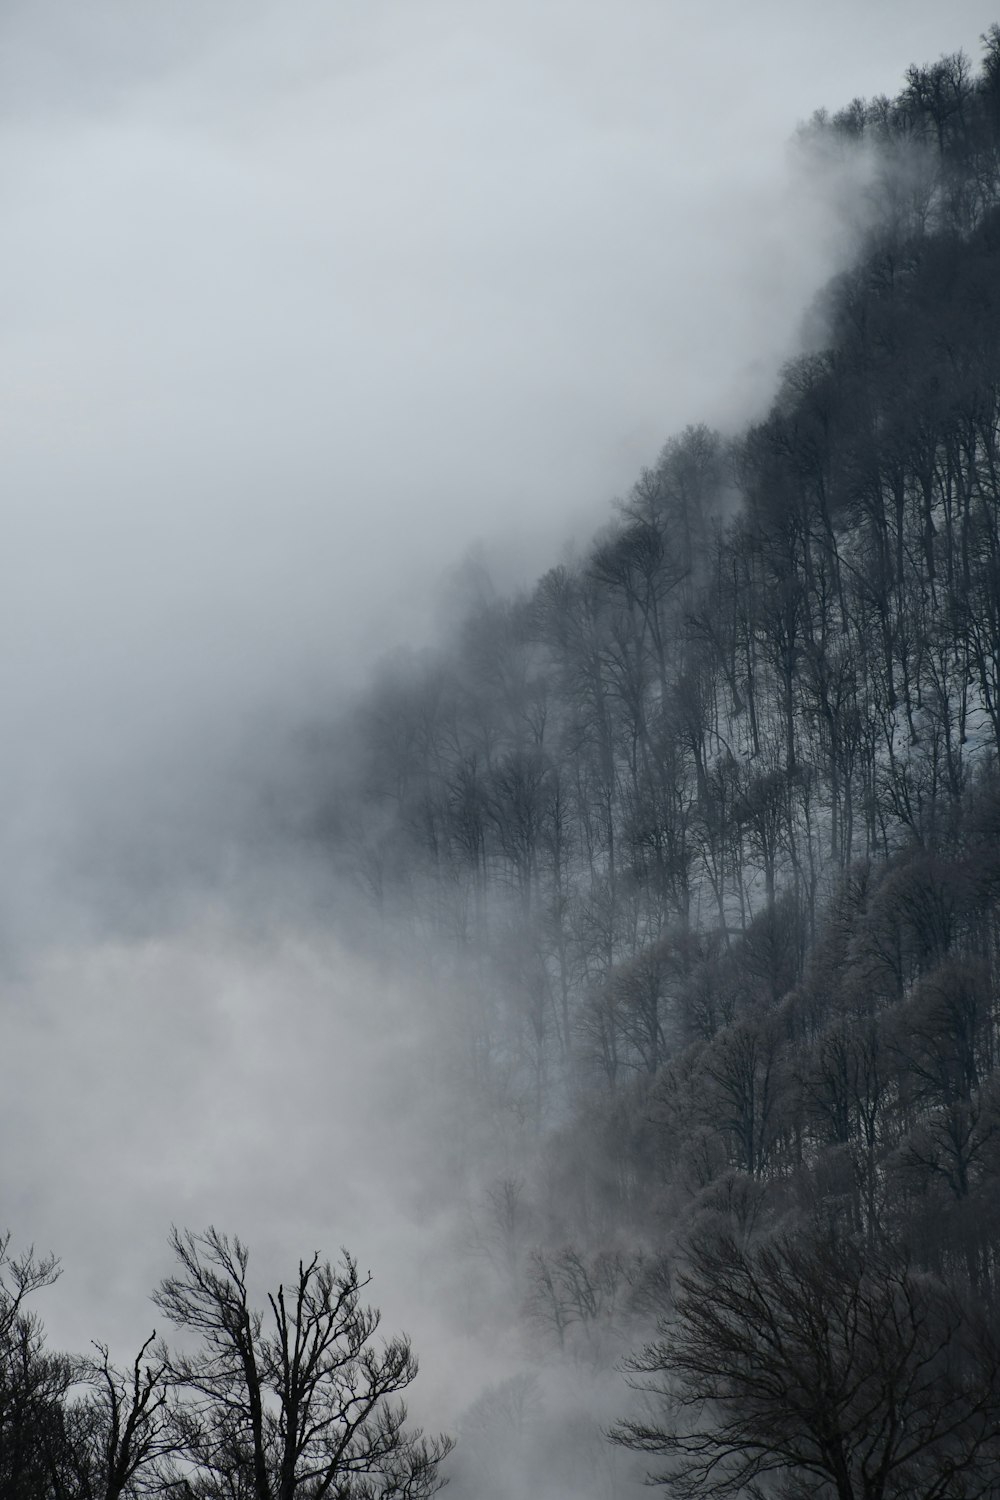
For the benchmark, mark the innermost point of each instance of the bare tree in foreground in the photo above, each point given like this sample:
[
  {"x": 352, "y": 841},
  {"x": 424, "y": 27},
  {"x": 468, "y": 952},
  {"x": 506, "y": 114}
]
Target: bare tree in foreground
[
  {"x": 118, "y": 1440},
  {"x": 297, "y": 1402},
  {"x": 806, "y": 1368},
  {"x": 33, "y": 1383}
]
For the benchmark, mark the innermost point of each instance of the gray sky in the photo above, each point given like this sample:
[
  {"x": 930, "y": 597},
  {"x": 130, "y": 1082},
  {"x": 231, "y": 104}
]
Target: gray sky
[{"x": 299, "y": 302}]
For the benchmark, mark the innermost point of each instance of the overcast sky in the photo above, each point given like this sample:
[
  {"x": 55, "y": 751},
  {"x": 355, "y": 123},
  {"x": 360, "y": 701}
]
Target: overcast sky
[{"x": 300, "y": 302}]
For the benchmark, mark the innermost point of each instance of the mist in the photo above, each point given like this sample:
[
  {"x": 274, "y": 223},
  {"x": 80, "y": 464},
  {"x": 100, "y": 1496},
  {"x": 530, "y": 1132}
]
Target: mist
[{"x": 301, "y": 307}]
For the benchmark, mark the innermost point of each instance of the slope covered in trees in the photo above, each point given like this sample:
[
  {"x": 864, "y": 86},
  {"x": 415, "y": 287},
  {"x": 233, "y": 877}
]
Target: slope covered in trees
[{"x": 705, "y": 830}]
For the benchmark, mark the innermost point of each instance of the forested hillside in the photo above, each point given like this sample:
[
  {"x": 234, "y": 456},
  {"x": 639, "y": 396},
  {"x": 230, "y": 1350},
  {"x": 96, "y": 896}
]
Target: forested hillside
[{"x": 705, "y": 829}]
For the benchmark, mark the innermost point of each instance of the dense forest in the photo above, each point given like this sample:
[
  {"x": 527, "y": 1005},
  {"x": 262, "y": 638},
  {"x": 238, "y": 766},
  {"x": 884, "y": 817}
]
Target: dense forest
[
  {"x": 703, "y": 831},
  {"x": 706, "y": 830}
]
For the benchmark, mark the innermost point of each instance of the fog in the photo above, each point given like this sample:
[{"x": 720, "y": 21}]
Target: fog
[{"x": 300, "y": 304}]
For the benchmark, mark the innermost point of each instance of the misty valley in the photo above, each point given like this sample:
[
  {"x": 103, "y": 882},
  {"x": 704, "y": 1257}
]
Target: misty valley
[{"x": 641, "y": 939}]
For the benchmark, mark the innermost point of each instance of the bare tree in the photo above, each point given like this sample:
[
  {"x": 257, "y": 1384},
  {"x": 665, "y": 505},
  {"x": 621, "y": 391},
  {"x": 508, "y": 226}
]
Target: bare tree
[
  {"x": 33, "y": 1382},
  {"x": 579, "y": 1302},
  {"x": 824, "y": 1368},
  {"x": 118, "y": 1439},
  {"x": 295, "y": 1403}
]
